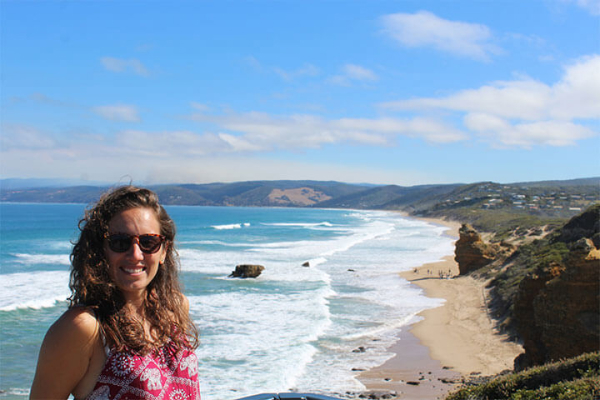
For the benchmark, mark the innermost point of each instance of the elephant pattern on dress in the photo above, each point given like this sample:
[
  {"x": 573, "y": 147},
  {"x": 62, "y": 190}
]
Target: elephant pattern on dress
[{"x": 165, "y": 374}]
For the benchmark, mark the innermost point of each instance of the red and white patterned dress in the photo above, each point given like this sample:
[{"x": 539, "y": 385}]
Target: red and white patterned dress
[{"x": 166, "y": 374}]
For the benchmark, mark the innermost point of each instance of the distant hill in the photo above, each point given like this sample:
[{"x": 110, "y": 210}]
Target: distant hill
[
  {"x": 253, "y": 193},
  {"x": 473, "y": 203},
  {"x": 388, "y": 197},
  {"x": 557, "y": 183}
]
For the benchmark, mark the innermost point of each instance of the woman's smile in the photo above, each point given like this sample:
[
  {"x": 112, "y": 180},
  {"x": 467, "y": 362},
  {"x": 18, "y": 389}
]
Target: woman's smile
[{"x": 133, "y": 271}]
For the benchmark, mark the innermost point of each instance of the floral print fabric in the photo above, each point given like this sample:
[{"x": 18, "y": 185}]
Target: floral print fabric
[{"x": 167, "y": 374}]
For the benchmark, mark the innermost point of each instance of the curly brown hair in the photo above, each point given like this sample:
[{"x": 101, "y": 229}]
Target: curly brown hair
[{"x": 91, "y": 286}]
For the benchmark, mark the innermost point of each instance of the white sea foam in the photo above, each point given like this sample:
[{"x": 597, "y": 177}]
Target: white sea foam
[
  {"x": 301, "y": 335},
  {"x": 21, "y": 392},
  {"x": 187, "y": 243},
  {"x": 35, "y": 259},
  {"x": 230, "y": 226},
  {"x": 300, "y": 224},
  {"x": 33, "y": 290},
  {"x": 265, "y": 337},
  {"x": 60, "y": 245}
]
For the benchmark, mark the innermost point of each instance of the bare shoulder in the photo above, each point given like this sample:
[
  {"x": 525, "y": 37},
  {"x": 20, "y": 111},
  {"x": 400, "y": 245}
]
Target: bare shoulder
[
  {"x": 185, "y": 302},
  {"x": 65, "y": 354},
  {"x": 76, "y": 323},
  {"x": 74, "y": 333}
]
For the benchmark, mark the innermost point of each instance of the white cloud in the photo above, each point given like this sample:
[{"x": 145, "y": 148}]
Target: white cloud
[
  {"x": 525, "y": 99},
  {"x": 306, "y": 70},
  {"x": 592, "y": 6},
  {"x": 577, "y": 95},
  {"x": 253, "y": 63},
  {"x": 501, "y": 133},
  {"x": 289, "y": 75},
  {"x": 238, "y": 144},
  {"x": 424, "y": 29},
  {"x": 167, "y": 144},
  {"x": 353, "y": 72},
  {"x": 120, "y": 65},
  {"x": 199, "y": 106},
  {"x": 521, "y": 112},
  {"x": 18, "y": 137},
  {"x": 261, "y": 132},
  {"x": 118, "y": 112},
  {"x": 359, "y": 73}
]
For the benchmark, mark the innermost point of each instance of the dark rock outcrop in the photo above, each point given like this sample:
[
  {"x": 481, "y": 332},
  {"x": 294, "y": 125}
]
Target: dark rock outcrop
[
  {"x": 247, "y": 271},
  {"x": 557, "y": 308},
  {"x": 471, "y": 251}
]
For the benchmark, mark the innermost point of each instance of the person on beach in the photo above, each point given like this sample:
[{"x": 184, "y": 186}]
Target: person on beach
[{"x": 127, "y": 332}]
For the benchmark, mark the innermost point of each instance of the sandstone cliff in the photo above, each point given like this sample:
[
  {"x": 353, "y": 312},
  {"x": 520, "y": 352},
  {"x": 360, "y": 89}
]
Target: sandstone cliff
[
  {"x": 472, "y": 252},
  {"x": 556, "y": 309},
  {"x": 546, "y": 292}
]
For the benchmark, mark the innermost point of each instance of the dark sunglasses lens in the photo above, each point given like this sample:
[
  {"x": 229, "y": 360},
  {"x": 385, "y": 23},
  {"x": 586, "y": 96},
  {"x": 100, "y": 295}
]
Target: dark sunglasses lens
[
  {"x": 119, "y": 243},
  {"x": 150, "y": 243}
]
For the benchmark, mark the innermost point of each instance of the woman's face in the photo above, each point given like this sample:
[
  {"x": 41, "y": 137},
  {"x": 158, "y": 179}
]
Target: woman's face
[{"x": 133, "y": 270}]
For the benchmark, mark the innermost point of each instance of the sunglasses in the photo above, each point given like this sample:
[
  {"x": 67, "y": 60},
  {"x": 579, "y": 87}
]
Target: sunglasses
[{"x": 121, "y": 242}]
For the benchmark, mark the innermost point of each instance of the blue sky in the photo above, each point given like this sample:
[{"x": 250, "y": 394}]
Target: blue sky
[{"x": 390, "y": 92}]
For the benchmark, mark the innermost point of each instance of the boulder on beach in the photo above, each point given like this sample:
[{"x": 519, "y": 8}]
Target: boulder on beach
[{"x": 247, "y": 271}]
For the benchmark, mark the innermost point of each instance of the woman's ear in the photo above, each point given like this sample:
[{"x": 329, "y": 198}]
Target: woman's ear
[{"x": 165, "y": 251}]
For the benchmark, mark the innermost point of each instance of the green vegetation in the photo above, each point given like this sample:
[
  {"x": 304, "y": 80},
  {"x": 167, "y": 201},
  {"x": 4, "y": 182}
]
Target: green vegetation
[
  {"x": 573, "y": 379},
  {"x": 539, "y": 257},
  {"x": 502, "y": 223},
  {"x": 512, "y": 209},
  {"x": 536, "y": 258}
]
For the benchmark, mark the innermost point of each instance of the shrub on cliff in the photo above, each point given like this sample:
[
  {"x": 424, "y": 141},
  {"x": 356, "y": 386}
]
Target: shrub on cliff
[
  {"x": 543, "y": 258},
  {"x": 533, "y": 258},
  {"x": 577, "y": 378}
]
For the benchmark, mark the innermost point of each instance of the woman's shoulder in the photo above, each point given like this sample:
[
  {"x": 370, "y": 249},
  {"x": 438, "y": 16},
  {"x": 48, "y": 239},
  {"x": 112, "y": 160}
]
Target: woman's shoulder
[
  {"x": 77, "y": 323},
  {"x": 185, "y": 302},
  {"x": 66, "y": 354}
]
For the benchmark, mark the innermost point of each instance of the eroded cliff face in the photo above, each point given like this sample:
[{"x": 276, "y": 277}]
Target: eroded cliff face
[
  {"x": 471, "y": 252},
  {"x": 557, "y": 309}
]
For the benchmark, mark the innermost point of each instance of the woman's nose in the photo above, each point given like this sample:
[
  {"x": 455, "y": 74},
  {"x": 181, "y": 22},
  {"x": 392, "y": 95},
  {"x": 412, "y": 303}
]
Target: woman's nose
[{"x": 135, "y": 249}]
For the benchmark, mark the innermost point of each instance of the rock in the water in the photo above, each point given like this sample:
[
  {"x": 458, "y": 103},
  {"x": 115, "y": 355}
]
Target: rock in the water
[
  {"x": 306, "y": 264},
  {"x": 247, "y": 271}
]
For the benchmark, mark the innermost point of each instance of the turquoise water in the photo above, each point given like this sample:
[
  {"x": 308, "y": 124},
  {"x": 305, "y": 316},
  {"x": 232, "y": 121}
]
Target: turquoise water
[{"x": 294, "y": 327}]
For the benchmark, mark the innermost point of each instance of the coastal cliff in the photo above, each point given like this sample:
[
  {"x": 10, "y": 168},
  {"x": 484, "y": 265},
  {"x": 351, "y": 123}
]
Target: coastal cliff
[
  {"x": 557, "y": 309},
  {"x": 546, "y": 291}
]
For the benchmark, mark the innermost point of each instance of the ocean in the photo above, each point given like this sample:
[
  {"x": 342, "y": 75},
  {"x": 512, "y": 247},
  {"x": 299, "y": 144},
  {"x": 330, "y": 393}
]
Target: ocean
[{"x": 294, "y": 328}]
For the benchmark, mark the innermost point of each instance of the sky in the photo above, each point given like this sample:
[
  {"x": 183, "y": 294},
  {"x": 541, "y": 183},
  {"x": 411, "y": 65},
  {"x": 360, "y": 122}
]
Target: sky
[{"x": 360, "y": 91}]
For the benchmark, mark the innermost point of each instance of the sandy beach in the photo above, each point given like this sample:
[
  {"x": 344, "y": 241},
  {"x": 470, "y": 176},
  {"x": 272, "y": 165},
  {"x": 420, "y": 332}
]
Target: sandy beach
[{"x": 457, "y": 339}]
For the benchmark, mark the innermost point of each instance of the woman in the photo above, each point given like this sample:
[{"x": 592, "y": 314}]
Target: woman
[{"x": 127, "y": 332}]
